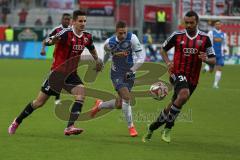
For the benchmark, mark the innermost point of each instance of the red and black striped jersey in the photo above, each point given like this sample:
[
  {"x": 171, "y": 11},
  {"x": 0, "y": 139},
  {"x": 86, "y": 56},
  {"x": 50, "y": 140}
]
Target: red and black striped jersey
[
  {"x": 52, "y": 33},
  {"x": 187, "y": 49},
  {"x": 69, "y": 48},
  {"x": 55, "y": 30}
]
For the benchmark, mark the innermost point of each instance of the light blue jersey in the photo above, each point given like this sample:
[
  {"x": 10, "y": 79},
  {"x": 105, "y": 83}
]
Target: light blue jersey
[
  {"x": 218, "y": 39},
  {"x": 123, "y": 52},
  {"x": 125, "y": 57}
]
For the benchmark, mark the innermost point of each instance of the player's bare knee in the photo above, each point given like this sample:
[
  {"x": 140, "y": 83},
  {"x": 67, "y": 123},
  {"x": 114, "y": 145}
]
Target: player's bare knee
[
  {"x": 80, "y": 97},
  {"x": 183, "y": 95},
  {"x": 78, "y": 90}
]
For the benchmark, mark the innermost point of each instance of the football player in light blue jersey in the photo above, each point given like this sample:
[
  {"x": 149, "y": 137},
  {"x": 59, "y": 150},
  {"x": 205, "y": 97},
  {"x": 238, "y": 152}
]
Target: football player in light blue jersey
[
  {"x": 219, "y": 41},
  {"x": 127, "y": 57}
]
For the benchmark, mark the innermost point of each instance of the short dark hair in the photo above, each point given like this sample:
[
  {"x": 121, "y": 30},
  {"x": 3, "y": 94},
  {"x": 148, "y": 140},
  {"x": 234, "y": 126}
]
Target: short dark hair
[
  {"x": 77, "y": 13},
  {"x": 66, "y": 14},
  {"x": 121, "y": 24},
  {"x": 192, "y": 14}
]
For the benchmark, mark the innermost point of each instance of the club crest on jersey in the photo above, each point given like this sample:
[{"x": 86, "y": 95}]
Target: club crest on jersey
[
  {"x": 85, "y": 40},
  {"x": 125, "y": 45},
  {"x": 189, "y": 51},
  {"x": 182, "y": 42},
  {"x": 199, "y": 42}
]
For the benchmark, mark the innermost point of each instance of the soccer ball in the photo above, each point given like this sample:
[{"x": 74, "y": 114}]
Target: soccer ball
[{"x": 159, "y": 90}]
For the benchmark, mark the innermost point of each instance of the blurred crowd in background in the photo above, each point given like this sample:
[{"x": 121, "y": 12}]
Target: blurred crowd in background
[{"x": 152, "y": 20}]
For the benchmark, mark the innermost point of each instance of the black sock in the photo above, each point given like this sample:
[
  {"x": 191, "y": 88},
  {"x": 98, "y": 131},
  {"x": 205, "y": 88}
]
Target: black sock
[
  {"x": 172, "y": 115},
  {"x": 57, "y": 97},
  {"x": 159, "y": 122},
  {"x": 26, "y": 112},
  {"x": 76, "y": 109}
]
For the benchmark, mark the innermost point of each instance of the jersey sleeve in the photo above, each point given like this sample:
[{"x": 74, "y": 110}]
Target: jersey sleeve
[
  {"x": 225, "y": 41},
  {"x": 136, "y": 45},
  {"x": 53, "y": 32},
  {"x": 63, "y": 34},
  {"x": 107, "y": 51},
  {"x": 90, "y": 46},
  {"x": 49, "y": 36},
  {"x": 209, "y": 48},
  {"x": 210, "y": 34},
  {"x": 170, "y": 42},
  {"x": 106, "y": 46},
  {"x": 138, "y": 54}
]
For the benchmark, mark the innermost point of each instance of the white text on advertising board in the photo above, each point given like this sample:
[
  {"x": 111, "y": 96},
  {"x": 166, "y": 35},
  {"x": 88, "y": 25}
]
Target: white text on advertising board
[{"x": 9, "y": 50}]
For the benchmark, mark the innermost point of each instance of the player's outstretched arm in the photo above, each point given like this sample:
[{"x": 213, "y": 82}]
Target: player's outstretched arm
[
  {"x": 166, "y": 46},
  {"x": 106, "y": 57},
  {"x": 99, "y": 63},
  {"x": 62, "y": 35},
  {"x": 93, "y": 52},
  {"x": 225, "y": 50},
  {"x": 43, "y": 52},
  {"x": 107, "y": 51},
  {"x": 139, "y": 55},
  {"x": 47, "y": 41},
  {"x": 169, "y": 63},
  {"x": 52, "y": 40},
  {"x": 139, "y": 60},
  {"x": 164, "y": 56}
]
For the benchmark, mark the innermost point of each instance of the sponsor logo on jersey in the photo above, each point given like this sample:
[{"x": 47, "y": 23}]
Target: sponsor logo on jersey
[
  {"x": 78, "y": 47},
  {"x": 217, "y": 39},
  {"x": 189, "y": 51},
  {"x": 125, "y": 45},
  {"x": 121, "y": 53}
]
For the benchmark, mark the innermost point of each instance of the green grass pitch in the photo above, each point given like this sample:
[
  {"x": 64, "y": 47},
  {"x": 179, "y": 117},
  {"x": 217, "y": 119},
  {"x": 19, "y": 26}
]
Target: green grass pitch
[{"x": 208, "y": 127}]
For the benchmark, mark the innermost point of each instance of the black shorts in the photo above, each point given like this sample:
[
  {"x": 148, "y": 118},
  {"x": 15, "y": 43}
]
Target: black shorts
[
  {"x": 179, "y": 82},
  {"x": 57, "y": 81}
]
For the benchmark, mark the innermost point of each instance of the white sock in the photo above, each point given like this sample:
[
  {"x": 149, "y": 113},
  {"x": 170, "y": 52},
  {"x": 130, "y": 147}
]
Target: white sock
[
  {"x": 206, "y": 67},
  {"x": 127, "y": 111},
  {"x": 108, "y": 104},
  {"x": 218, "y": 75}
]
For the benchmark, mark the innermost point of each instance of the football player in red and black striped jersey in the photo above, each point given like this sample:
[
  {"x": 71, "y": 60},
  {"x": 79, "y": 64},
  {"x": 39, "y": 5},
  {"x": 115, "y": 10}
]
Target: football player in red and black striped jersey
[
  {"x": 69, "y": 45},
  {"x": 65, "y": 22},
  {"x": 192, "y": 47}
]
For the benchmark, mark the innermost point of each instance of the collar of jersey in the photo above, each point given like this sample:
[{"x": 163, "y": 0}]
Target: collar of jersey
[
  {"x": 79, "y": 36},
  {"x": 193, "y": 36},
  {"x": 218, "y": 31},
  {"x": 118, "y": 40}
]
